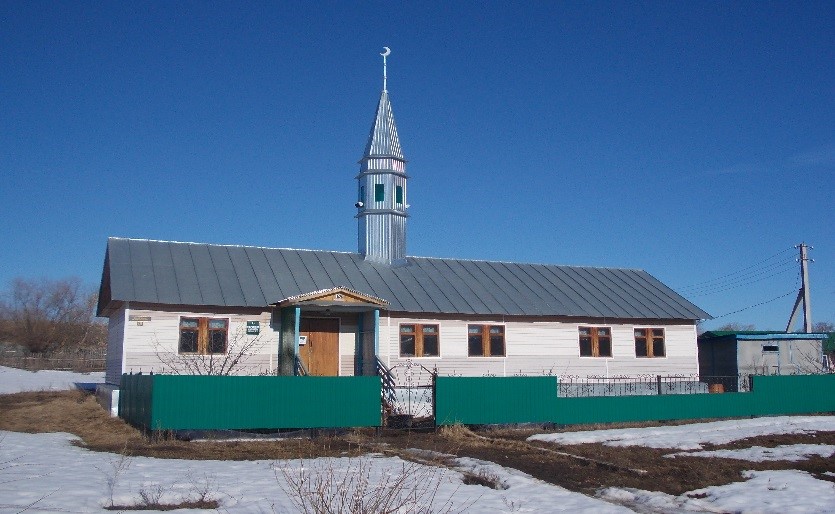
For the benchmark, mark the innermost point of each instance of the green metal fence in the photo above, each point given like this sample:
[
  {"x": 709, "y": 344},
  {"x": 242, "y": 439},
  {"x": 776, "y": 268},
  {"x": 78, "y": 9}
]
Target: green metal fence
[
  {"x": 174, "y": 402},
  {"x": 489, "y": 400}
]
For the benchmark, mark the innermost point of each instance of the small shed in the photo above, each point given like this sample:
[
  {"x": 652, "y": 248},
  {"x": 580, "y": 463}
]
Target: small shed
[{"x": 730, "y": 353}]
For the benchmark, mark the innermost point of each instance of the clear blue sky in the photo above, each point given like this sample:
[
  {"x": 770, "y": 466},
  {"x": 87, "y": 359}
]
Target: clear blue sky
[{"x": 690, "y": 139}]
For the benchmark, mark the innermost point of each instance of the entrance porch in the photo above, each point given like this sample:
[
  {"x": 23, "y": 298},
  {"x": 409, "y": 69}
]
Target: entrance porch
[{"x": 332, "y": 332}]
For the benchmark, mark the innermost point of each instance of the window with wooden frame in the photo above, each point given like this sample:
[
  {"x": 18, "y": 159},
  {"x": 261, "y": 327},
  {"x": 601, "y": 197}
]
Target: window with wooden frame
[
  {"x": 485, "y": 341},
  {"x": 595, "y": 341},
  {"x": 203, "y": 336},
  {"x": 419, "y": 341},
  {"x": 649, "y": 342}
]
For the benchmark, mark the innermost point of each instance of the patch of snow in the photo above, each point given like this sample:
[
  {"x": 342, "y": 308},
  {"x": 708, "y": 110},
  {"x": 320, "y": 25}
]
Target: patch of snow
[
  {"x": 13, "y": 380},
  {"x": 763, "y": 492},
  {"x": 49, "y": 473},
  {"x": 788, "y": 452},
  {"x": 693, "y": 436}
]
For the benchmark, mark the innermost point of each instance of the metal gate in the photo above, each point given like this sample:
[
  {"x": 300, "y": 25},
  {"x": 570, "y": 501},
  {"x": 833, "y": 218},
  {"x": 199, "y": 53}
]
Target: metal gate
[{"x": 408, "y": 396}]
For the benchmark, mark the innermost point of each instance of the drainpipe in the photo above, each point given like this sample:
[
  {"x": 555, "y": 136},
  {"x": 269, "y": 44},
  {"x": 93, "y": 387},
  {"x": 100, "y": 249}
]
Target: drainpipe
[{"x": 297, "y": 322}]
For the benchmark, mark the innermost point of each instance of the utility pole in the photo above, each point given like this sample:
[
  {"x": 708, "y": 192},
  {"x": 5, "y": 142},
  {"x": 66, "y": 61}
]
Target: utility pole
[{"x": 803, "y": 294}]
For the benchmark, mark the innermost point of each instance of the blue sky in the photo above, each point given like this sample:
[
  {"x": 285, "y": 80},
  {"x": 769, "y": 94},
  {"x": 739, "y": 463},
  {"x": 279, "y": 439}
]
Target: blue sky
[{"x": 695, "y": 140}]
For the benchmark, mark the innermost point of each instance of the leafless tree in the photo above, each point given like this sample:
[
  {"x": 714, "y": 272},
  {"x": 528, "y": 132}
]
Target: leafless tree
[
  {"x": 735, "y": 326},
  {"x": 823, "y": 327},
  {"x": 239, "y": 350},
  {"x": 45, "y": 315}
]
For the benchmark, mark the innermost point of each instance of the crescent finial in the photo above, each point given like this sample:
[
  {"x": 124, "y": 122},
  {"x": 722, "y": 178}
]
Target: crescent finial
[{"x": 386, "y": 51}]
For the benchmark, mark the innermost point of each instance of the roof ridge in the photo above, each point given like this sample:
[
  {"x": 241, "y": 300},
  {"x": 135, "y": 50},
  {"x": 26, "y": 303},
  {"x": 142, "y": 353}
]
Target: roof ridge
[
  {"x": 528, "y": 263},
  {"x": 228, "y": 245},
  {"x": 497, "y": 261}
]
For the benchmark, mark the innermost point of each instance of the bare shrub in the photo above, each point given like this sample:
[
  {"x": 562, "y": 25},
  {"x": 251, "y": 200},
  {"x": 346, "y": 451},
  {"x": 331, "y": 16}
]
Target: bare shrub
[
  {"x": 322, "y": 486},
  {"x": 151, "y": 497},
  {"x": 151, "y": 494},
  {"x": 240, "y": 348},
  {"x": 117, "y": 466}
]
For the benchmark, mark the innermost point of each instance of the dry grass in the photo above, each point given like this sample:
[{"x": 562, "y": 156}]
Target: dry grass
[
  {"x": 78, "y": 413},
  {"x": 185, "y": 504}
]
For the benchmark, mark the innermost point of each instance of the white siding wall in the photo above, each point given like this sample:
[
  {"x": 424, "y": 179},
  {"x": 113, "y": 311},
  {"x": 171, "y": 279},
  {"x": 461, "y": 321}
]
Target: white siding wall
[
  {"x": 347, "y": 344},
  {"x": 152, "y": 345},
  {"x": 537, "y": 348},
  {"x": 115, "y": 337}
]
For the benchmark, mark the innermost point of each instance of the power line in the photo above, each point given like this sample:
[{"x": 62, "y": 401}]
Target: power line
[
  {"x": 756, "y": 305},
  {"x": 737, "y": 272},
  {"x": 737, "y": 284}
]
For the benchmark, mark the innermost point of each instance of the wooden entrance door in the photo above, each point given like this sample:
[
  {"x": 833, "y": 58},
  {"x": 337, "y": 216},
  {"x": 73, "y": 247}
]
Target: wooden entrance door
[{"x": 320, "y": 354}]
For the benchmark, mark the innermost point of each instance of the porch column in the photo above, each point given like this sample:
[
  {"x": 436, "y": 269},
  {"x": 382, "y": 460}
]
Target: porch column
[
  {"x": 359, "y": 347},
  {"x": 288, "y": 349},
  {"x": 376, "y": 334}
]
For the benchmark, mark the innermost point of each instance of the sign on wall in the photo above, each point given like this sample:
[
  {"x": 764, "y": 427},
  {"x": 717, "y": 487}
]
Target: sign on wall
[{"x": 253, "y": 328}]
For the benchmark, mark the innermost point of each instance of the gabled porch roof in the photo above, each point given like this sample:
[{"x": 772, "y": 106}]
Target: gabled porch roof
[{"x": 341, "y": 298}]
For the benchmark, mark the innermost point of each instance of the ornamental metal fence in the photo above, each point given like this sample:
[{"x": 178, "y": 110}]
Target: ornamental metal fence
[{"x": 648, "y": 385}]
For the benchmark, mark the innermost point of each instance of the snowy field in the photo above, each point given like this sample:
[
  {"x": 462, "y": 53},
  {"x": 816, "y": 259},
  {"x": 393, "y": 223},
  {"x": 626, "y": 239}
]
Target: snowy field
[
  {"x": 13, "y": 380},
  {"x": 48, "y": 473},
  {"x": 694, "y": 435}
]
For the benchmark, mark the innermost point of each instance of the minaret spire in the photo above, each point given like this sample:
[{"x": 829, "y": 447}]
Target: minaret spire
[
  {"x": 386, "y": 52},
  {"x": 381, "y": 205}
]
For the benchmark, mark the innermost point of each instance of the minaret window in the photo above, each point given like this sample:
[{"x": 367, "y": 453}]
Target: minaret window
[
  {"x": 362, "y": 194},
  {"x": 398, "y": 194},
  {"x": 379, "y": 192}
]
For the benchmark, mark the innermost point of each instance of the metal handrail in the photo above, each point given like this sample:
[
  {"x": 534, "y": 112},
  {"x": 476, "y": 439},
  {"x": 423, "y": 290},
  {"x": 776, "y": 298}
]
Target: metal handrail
[
  {"x": 300, "y": 370},
  {"x": 388, "y": 394}
]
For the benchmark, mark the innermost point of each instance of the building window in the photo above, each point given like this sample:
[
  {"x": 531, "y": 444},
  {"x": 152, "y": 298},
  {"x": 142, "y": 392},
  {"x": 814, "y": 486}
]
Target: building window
[
  {"x": 379, "y": 192},
  {"x": 362, "y": 194},
  {"x": 398, "y": 194},
  {"x": 771, "y": 348},
  {"x": 203, "y": 335},
  {"x": 595, "y": 341},
  {"x": 649, "y": 342},
  {"x": 419, "y": 341},
  {"x": 485, "y": 340}
]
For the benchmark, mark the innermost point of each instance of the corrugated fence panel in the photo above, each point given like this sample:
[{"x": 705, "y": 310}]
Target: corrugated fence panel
[
  {"x": 798, "y": 394},
  {"x": 612, "y": 409},
  {"x": 497, "y": 400},
  {"x": 249, "y": 402},
  {"x": 489, "y": 400},
  {"x": 135, "y": 395}
]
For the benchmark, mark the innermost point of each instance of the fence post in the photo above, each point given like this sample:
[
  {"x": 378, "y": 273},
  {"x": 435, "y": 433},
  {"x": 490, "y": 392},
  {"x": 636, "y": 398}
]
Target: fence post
[{"x": 658, "y": 381}]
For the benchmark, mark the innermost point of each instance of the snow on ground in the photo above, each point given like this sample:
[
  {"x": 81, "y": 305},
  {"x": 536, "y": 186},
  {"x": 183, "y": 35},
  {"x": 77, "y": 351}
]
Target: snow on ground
[
  {"x": 49, "y": 472},
  {"x": 763, "y": 492},
  {"x": 13, "y": 380},
  {"x": 694, "y": 435},
  {"x": 787, "y": 452}
]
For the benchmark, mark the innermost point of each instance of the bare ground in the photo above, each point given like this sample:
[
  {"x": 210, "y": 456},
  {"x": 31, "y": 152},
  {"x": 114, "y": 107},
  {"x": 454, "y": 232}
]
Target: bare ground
[{"x": 585, "y": 468}]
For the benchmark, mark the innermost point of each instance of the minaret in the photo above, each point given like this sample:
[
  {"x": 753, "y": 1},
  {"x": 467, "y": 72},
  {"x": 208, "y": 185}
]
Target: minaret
[{"x": 381, "y": 187}]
